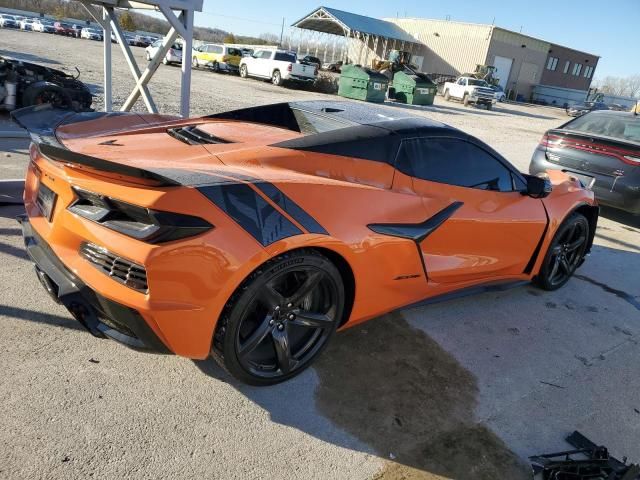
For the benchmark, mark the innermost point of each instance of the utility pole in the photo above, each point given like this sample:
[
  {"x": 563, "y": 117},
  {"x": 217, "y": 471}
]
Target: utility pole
[{"x": 281, "y": 32}]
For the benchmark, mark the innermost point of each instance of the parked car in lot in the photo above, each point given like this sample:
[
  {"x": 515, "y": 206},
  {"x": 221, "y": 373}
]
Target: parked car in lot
[
  {"x": 26, "y": 24},
  {"x": 174, "y": 55},
  {"x": 333, "y": 66},
  {"x": 311, "y": 60},
  {"x": 43, "y": 26},
  {"x": 217, "y": 57},
  {"x": 197, "y": 237},
  {"x": 8, "y": 21},
  {"x": 91, "y": 34},
  {"x": 77, "y": 29},
  {"x": 67, "y": 29},
  {"x": 602, "y": 150},
  {"x": 277, "y": 65},
  {"x": 141, "y": 41},
  {"x": 578, "y": 109},
  {"x": 499, "y": 93},
  {"x": 470, "y": 90}
]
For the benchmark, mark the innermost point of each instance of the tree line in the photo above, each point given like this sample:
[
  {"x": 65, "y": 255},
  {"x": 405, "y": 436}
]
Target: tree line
[
  {"x": 621, "y": 86},
  {"x": 131, "y": 21}
]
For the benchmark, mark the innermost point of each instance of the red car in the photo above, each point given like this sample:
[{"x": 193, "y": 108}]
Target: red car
[{"x": 64, "y": 29}]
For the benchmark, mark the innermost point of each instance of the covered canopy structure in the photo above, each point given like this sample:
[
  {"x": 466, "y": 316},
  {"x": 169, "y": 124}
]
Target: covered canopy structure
[{"x": 367, "y": 38}]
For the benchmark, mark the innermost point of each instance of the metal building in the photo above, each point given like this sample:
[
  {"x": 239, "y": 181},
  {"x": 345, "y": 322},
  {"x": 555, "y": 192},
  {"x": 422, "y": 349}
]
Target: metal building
[{"x": 521, "y": 61}]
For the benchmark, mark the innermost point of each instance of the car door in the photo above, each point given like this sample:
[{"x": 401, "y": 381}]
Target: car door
[{"x": 491, "y": 229}]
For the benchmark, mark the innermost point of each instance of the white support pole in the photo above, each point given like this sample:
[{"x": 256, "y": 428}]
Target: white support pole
[
  {"x": 131, "y": 61},
  {"x": 153, "y": 65},
  {"x": 185, "y": 83},
  {"x": 108, "y": 96}
]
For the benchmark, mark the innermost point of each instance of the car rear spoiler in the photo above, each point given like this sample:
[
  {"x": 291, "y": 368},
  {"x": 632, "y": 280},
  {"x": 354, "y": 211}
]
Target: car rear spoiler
[{"x": 41, "y": 121}]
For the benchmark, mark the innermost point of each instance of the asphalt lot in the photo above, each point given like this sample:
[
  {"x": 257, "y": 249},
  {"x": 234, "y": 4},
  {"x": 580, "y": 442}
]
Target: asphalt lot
[{"x": 464, "y": 389}]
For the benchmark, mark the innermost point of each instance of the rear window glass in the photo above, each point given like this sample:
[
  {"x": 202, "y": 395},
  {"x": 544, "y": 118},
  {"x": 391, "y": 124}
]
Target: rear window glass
[
  {"x": 285, "y": 57},
  {"x": 607, "y": 125}
]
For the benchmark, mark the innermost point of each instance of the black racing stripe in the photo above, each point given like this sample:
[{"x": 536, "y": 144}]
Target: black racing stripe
[
  {"x": 252, "y": 212},
  {"x": 292, "y": 208}
]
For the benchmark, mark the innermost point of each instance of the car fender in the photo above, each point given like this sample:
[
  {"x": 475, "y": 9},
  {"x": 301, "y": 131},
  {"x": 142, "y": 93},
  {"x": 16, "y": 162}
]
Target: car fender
[{"x": 567, "y": 197}]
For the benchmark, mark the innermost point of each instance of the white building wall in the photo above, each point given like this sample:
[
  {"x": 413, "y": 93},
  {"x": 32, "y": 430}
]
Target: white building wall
[{"x": 449, "y": 47}]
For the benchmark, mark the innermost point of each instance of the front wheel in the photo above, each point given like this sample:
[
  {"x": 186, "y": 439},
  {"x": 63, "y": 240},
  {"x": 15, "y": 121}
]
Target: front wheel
[
  {"x": 243, "y": 71},
  {"x": 565, "y": 253},
  {"x": 280, "y": 318},
  {"x": 465, "y": 100}
]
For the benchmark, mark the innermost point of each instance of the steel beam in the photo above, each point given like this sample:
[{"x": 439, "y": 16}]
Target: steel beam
[{"x": 108, "y": 94}]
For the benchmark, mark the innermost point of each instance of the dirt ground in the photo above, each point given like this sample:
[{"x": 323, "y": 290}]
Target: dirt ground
[{"x": 464, "y": 389}]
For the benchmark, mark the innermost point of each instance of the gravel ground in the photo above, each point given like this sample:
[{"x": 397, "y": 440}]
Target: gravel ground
[{"x": 463, "y": 389}]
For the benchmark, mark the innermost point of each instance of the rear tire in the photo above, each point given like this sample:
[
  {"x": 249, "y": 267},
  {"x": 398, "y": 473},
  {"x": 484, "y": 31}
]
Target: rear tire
[
  {"x": 276, "y": 78},
  {"x": 280, "y": 319},
  {"x": 565, "y": 253},
  {"x": 243, "y": 71}
]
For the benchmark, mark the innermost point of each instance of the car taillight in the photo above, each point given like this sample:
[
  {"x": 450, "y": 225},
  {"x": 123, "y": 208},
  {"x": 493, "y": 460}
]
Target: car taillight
[
  {"x": 290, "y": 67},
  {"x": 141, "y": 223},
  {"x": 544, "y": 141}
]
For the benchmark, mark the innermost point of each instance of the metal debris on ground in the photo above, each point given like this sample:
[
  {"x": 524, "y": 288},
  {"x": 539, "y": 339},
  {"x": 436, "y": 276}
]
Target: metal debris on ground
[{"x": 587, "y": 462}]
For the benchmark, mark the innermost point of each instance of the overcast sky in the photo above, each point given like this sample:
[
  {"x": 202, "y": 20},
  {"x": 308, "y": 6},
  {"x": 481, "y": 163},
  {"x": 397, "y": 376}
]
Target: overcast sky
[{"x": 609, "y": 28}]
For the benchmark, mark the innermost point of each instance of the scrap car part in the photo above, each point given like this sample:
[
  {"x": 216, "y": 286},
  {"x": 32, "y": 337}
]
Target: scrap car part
[{"x": 587, "y": 462}]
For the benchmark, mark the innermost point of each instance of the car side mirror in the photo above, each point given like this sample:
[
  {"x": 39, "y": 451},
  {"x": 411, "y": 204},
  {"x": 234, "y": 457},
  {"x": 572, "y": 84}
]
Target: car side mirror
[{"x": 538, "y": 187}]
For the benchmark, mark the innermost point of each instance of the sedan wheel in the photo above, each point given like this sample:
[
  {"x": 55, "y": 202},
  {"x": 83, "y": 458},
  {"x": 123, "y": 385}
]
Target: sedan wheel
[
  {"x": 280, "y": 319},
  {"x": 565, "y": 253}
]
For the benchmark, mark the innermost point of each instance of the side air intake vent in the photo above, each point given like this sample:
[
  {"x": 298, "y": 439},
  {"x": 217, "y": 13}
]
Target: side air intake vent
[{"x": 192, "y": 135}]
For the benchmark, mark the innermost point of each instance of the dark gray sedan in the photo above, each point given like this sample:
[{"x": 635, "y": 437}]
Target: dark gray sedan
[
  {"x": 601, "y": 149},
  {"x": 578, "y": 109}
]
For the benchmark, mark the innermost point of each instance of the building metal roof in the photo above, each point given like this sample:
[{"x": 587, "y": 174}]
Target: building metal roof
[{"x": 339, "y": 22}]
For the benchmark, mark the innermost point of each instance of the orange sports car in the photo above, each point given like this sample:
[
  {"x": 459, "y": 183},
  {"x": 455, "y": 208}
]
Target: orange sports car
[{"x": 254, "y": 234}]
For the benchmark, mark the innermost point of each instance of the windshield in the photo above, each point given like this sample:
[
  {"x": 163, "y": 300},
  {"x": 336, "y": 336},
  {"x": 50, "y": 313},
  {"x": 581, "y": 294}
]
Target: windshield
[
  {"x": 478, "y": 83},
  {"x": 621, "y": 127}
]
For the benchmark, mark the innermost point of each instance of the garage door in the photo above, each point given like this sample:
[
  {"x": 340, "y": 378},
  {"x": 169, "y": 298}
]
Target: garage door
[{"x": 503, "y": 69}]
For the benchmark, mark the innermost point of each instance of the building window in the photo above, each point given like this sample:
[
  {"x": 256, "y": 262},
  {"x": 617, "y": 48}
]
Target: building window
[
  {"x": 577, "y": 68},
  {"x": 552, "y": 63},
  {"x": 588, "y": 71},
  {"x": 566, "y": 66}
]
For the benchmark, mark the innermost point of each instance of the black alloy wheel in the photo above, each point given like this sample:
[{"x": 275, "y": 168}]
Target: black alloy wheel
[
  {"x": 280, "y": 319},
  {"x": 565, "y": 253}
]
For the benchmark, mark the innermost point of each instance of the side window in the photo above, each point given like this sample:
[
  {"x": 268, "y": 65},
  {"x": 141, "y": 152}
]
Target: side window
[
  {"x": 217, "y": 49},
  {"x": 257, "y": 54},
  {"x": 454, "y": 162},
  {"x": 266, "y": 54}
]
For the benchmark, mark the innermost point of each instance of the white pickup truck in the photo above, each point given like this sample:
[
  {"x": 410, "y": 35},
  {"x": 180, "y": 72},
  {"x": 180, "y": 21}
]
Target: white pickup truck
[
  {"x": 470, "y": 90},
  {"x": 278, "y": 65}
]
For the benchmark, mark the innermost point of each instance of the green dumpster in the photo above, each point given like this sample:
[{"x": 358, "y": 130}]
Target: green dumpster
[
  {"x": 414, "y": 88},
  {"x": 362, "y": 84}
]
